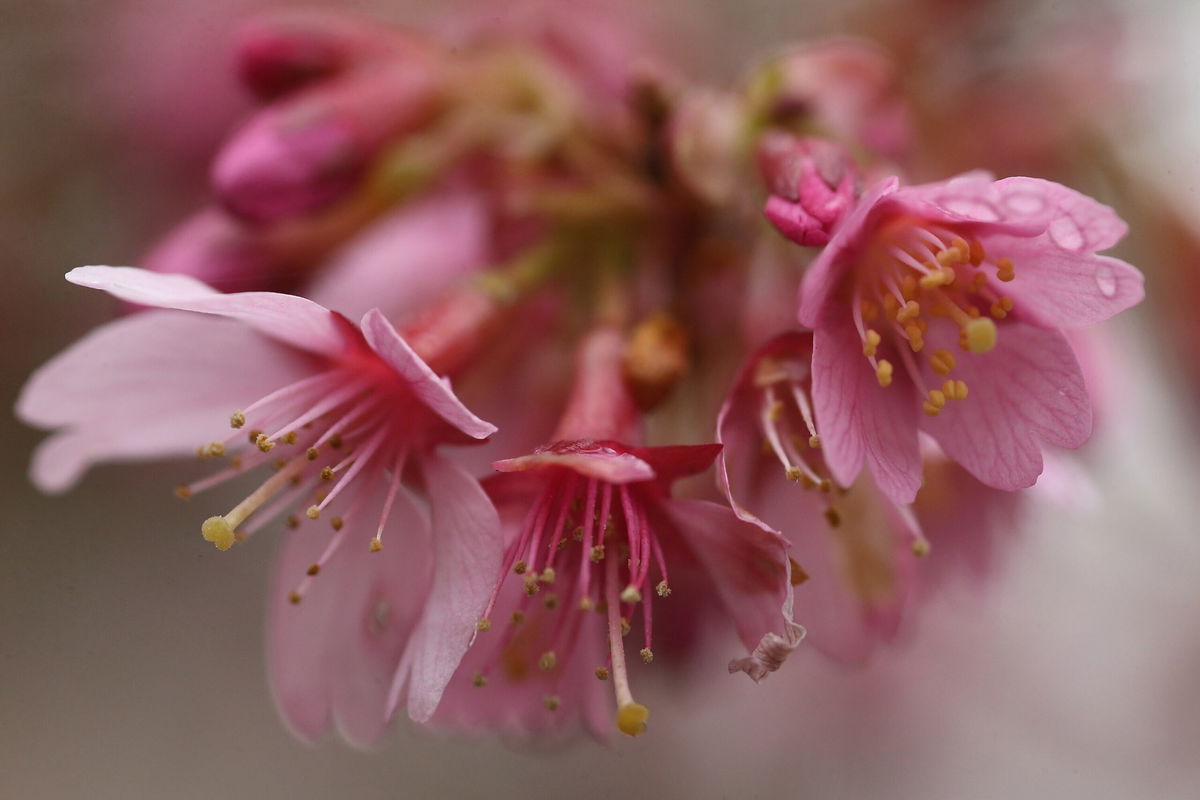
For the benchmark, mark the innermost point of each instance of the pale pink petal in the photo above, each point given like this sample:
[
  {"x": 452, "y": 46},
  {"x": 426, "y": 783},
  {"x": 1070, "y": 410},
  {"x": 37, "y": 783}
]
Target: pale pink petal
[
  {"x": 467, "y": 558},
  {"x": 290, "y": 319},
  {"x": 1060, "y": 281},
  {"x": 605, "y": 465},
  {"x": 860, "y": 421},
  {"x": 973, "y": 204},
  {"x": 407, "y": 258},
  {"x": 142, "y": 387},
  {"x": 380, "y": 610},
  {"x": 747, "y": 564},
  {"x": 434, "y": 391},
  {"x": 1026, "y": 391}
]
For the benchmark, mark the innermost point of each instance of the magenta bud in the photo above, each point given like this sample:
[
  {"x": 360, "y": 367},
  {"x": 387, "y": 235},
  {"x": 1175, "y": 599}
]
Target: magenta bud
[
  {"x": 216, "y": 249},
  {"x": 812, "y": 185},
  {"x": 272, "y": 62},
  {"x": 284, "y": 165}
]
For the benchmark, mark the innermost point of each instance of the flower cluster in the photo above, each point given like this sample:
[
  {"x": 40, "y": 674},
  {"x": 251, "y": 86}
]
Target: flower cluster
[{"x": 587, "y": 244}]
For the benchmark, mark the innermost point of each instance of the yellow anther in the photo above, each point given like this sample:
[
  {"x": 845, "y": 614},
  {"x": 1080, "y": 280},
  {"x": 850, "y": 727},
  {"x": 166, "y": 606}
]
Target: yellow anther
[
  {"x": 263, "y": 443},
  {"x": 948, "y": 256},
  {"x": 662, "y": 589},
  {"x": 551, "y": 702},
  {"x": 313, "y": 569},
  {"x": 531, "y": 585},
  {"x": 883, "y": 373},
  {"x": 520, "y": 567},
  {"x": 547, "y": 575},
  {"x": 312, "y": 453},
  {"x": 479, "y": 681},
  {"x": 833, "y": 517},
  {"x": 775, "y": 411},
  {"x": 602, "y": 673},
  {"x": 631, "y": 718},
  {"x": 942, "y": 362},
  {"x": 335, "y": 441},
  {"x": 291, "y": 437},
  {"x": 214, "y": 450},
  {"x": 293, "y": 521},
  {"x": 890, "y": 305},
  {"x": 908, "y": 287},
  {"x": 911, "y": 310},
  {"x": 237, "y": 419},
  {"x": 977, "y": 253},
  {"x": 793, "y": 474},
  {"x": 313, "y": 512},
  {"x": 625, "y": 627},
  {"x": 631, "y": 595},
  {"x": 978, "y": 282},
  {"x": 516, "y": 618},
  {"x": 547, "y": 661},
  {"x": 870, "y": 311},
  {"x": 336, "y": 523},
  {"x": 814, "y": 441},
  {"x": 577, "y": 534},
  {"x": 647, "y": 654},
  {"x": 871, "y": 343},
  {"x": 295, "y": 597},
  {"x": 920, "y": 548},
  {"x": 597, "y": 553},
  {"x": 931, "y": 409},
  {"x": 551, "y": 601},
  {"x": 375, "y": 546},
  {"x": 1005, "y": 270},
  {"x": 183, "y": 492},
  {"x": 937, "y": 397},
  {"x": 326, "y": 473},
  {"x": 916, "y": 339},
  {"x": 806, "y": 482},
  {"x": 586, "y": 604},
  {"x": 825, "y": 486},
  {"x": 955, "y": 390},
  {"x": 937, "y": 278},
  {"x": 980, "y": 335},
  {"x": 799, "y": 576},
  {"x": 218, "y": 531},
  {"x": 483, "y": 624}
]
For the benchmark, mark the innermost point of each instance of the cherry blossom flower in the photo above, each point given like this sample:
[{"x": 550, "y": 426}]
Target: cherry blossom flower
[
  {"x": 860, "y": 555},
  {"x": 926, "y": 293},
  {"x": 349, "y": 418},
  {"x": 592, "y": 535}
]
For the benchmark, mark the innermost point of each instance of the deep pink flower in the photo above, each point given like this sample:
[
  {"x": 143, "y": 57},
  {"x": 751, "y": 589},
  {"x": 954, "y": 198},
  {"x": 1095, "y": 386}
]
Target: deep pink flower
[
  {"x": 349, "y": 417},
  {"x": 812, "y": 184},
  {"x": 593, "y": 534},
  {"x": 926, "y": 293}
]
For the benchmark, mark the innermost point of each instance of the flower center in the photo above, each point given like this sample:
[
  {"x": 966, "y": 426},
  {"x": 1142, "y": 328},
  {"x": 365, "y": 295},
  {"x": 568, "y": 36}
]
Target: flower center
[
  {"x": 914, "y": 272},
  {"x": 338, "y": 431},
  {"x": 592, "y": 541}
]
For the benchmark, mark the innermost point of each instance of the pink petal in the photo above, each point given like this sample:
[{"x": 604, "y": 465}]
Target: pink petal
[
  {"x": 293, "y": 320},
  {"x": 1060, "y": 281},
  {"x": 435, "y": 392},
  {"x": 1026, "y": 391},
  {"x": 747, "y": 565},
  {"x": 467, "y": 558},
  {"x": 141, "y": 387},
  {"x": 674, "y": 462},
  {"x": 406, "y": 259},
  {"x": 603, "y": 464},
  {"x": 382, "y": 599},
  {"x": 828, "y": 270},
  {"x": 858, "y": 420}
]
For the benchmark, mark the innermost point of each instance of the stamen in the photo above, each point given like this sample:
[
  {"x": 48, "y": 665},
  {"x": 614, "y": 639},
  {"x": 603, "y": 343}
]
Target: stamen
[
  {"x": 220, "y": 530},
  {"x": 631, "y": 715}
]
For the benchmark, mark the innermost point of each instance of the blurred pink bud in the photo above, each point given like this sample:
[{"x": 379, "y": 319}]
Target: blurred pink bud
[
  {"x": 214, "y": 248},
  {"x": 812, "y": 184},
  {"x": 705, "y": 143},
  {"x": 305, "y": 155},
  {"x": 282, "y": 52}
]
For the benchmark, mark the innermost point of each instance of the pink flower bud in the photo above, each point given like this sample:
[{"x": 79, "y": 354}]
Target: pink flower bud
[{"x": 812, "y": 184}]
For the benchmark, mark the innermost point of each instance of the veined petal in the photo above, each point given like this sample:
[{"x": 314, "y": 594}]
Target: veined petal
[
  {"x": 290, "y": 319},
  {"x": 434, "y": 391},
  {"x": 1026, "y": 391},
  {"x": 467, "y": 553},
  {"x": 860, "y": 421}
]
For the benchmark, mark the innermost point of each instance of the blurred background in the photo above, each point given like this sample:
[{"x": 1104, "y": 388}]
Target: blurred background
[{"x": 131, "y": 663}]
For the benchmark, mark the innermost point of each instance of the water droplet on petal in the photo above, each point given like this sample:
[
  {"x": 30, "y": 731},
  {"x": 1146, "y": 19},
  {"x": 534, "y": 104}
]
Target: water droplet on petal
[
  {"x": 1024, "y": 204},
  {"x": 970, "y": 207},
  {"x": 1106, "y": 280},
  {"x": 1066, "y": 234}
]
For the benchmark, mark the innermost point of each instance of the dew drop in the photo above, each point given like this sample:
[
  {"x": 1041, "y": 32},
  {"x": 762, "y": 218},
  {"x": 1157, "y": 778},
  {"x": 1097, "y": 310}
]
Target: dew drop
[
  {"x": 1066, "y": 234},
  {"x": 1106, "y": 280}
]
